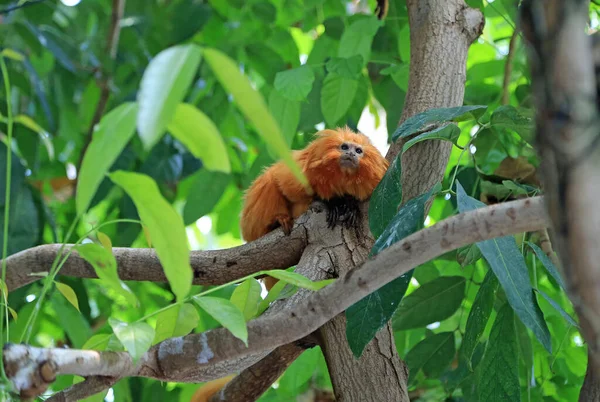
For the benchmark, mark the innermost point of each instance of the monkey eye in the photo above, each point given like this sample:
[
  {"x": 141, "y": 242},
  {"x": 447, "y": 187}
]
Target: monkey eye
[
  {"x": 344, "y": 147},
  {"x": 359, "y": 150}
]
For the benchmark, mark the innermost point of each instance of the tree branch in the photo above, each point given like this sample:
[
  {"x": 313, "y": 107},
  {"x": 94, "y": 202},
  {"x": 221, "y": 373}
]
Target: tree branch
[
  {"x": 508, "y": 66},
  {"x": 215, "y": 267},
  {"x": 202, "y": 357}
]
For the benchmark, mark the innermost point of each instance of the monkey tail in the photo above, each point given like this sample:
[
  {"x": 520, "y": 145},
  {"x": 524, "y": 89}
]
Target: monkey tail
[{"x": 206, "y": 391}]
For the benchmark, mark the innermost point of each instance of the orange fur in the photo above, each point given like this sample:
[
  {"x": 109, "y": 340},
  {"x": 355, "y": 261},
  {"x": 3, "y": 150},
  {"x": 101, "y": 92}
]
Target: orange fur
[
  {"x": 206, "y": 391},
  {"x": 276, "y": 197}
]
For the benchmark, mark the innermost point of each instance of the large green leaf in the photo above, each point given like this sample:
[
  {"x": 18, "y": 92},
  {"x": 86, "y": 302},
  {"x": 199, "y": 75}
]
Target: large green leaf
[
  {"x": 252, "y": 104},
  {"x": 468, "y": 255},
  {"x": 433, "y": 354},
  {"x": 246, "y": 297},
  {"x": 105, "y": 266},
  {"x": 164, "y": 84},
  {"x": 358, "y": 37},
  {"x": 295, "y": 84},
  {"x": 499, "y": 376},
  {"x": 479, "y": 316},
  {"x": 74, "y": 324},
  {"x": 346, "y": 67},
  {"x": 508, "y": 264},
  {"x": 201, "y": 137},
  {"x": 287, "y": 114},
  {"x": 165, "y": 227},
  {"x": 558, "y": 308},
  {"x": 206, "y": 190},
  {"x": 507, "y": 116},
  {"x": 369, "y": 315},
  {"x": 179, "y": 320},
  {"x": 448, "y": 132},
  {"x": 136, "y": 337},
  {"x": 385, "y": 198},
  {"x": 434, "y": 301},
  {"x": 110, "y": 138},
  {"x": 337, "y": 95},
  {"x": 435, "y": 116},
  {"x": 226, "y": 313}
]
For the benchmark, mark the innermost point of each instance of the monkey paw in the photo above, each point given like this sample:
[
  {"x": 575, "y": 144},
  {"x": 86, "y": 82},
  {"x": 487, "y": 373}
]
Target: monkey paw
[
  {"x": 285, "y": 222},
  {"x": 344, "y": 209}
]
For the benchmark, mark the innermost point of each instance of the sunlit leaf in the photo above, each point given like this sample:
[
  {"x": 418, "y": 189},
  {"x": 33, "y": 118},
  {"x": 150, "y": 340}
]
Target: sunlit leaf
[
  {"x": 252, "y": 104},
  {"x": 246, "y": 297},
  {"x": 295, "y": 84},
  {"x": 337, "y": 95},
  {"x": 105, "y": 266},
  {"x": 112, "y": 134},
  {"x": 165, "y": 226},
  {"x": 176, "y": 321},
  {"x": 297, "y": 279},
  {"x": 200, "y": 136},
  {"x": 226, "y": 314},
  {"x": 104, "y": 240},
  {"x": 558, "y": 308},
  {"x": 358, "y": 37},
  {"x": 164, "y": 84},
  {"x": 68, "y": 293},
  {"x": 136, "y": 337}
]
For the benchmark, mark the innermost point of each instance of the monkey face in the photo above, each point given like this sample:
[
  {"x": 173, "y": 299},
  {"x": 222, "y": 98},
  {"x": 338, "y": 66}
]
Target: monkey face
[{"x": 350, "y": 155}]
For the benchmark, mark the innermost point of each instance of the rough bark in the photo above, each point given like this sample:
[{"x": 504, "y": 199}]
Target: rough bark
[
  {"x": 441, "y": 32},
  {"x": 565, "y": 90}
]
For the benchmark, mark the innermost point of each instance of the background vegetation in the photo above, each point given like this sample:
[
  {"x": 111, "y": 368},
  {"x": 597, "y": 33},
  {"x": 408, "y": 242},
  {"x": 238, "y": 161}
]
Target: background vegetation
[{"x": 317, "y": 63}]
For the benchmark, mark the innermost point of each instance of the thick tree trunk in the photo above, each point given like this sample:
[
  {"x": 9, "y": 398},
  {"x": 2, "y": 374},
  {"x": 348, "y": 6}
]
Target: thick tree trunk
[{"x": 441, "y": 32}]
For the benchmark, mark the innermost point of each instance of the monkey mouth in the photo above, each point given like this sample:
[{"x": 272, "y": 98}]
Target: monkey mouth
[{"x": 348, "y": 162}]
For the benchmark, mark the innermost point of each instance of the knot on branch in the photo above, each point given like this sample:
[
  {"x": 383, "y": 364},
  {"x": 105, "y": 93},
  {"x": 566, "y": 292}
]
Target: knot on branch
[{"x": 31, "y": 373}]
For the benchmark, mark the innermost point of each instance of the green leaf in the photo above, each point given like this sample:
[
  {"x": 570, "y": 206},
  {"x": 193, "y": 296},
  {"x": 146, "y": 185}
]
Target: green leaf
[
  {"x": 206, "y": 190},
  {"x": 43, "y": 134},
  {"x": 468, "y": 255},
  {"x": 164, "y": 85},
  {"x": 287, "y": 114},
  {"x": 433, "y": 354},
  {"x": 297, "y": 279},
  {"x": 436, "y": 116},
  {"x": 369, "y": 315},
  {"x": 295, "y": 84},
  {"x": 246, "y": 297},
  {"x": 200, "y": 136},
  {"x": 276, "y": 293},
  {"x": 105, "y": 265},
  {"x": 299, "y": 373},
  {"x": 386, "y": 198},
  {"x": 448, "y": 132},
  {"x": 558, "y": 308},
  {"x": 547, "y": 262},
  {"x": 432, "y": 302},
  {"x": 97, "y": 342},
  {"x": 252, "y": 104},
  {"x": 136, "y": 337},
  {"x": 399, "y": 73},
  {"x": 479, "y": 316},
  {"x": 345, "y": 67},
  {"x": 508, "y": 264},
  {"x": 337, "y": 95},
  {"x": 358, "y": 37},
  {"x": 68, "y": 293},
  {"x": 179, "y": 320},
  {"x": 499, "y": 376},
  {"x": 74, "y": 324},
  {"x": 508, "y": 117},
  {"x": 226, "y": 314},
  {"x": 110, "y": 138},
  {"x": 165, "y": 226}
]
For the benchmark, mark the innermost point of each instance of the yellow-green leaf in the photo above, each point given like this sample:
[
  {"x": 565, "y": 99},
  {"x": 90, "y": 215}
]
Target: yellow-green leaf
[
  {"x": 43, "y": 134},
  {"x": 104, "y": 240},
  {"x": 136, "y": 337},
  {"x": 113, "y": 133},
  {"x": 201, "y": 137},
  {"x": 246, "y": 297},
  {"x": 253, "y": 105},
  {"x": 176, "y": 321},
  {"x": 68, "y": 293},
  {"x": 165, "y": 226},
  {"x": 226, "y": 314},
  {"x": 295, "y": 279}
]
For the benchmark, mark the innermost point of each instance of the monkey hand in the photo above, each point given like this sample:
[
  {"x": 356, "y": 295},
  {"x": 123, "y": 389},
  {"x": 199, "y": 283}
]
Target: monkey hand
[{"x": 345, "y": 209}]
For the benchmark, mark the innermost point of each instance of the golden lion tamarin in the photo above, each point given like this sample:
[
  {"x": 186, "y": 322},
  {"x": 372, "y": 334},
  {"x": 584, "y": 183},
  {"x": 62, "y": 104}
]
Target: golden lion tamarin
[{"x": 342, "y": 168}]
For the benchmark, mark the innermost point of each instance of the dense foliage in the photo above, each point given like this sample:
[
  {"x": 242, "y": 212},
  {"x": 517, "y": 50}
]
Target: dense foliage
[{"x": 200, "y": 96}]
